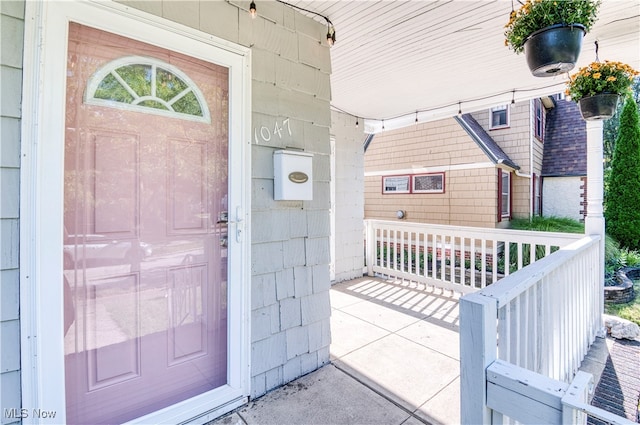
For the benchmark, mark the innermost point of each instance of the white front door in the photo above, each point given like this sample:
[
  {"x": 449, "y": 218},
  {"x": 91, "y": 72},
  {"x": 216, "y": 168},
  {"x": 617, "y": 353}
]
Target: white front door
[{"x": 148, "y": 222}]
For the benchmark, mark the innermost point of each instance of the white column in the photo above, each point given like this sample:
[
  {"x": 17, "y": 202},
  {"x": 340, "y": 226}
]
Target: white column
[{"x": 594, "y": 222}]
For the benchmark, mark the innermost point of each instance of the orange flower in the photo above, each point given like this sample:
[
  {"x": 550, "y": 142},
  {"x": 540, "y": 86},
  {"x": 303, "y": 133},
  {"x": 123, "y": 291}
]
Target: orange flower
[{"x": 596, "y": 75}]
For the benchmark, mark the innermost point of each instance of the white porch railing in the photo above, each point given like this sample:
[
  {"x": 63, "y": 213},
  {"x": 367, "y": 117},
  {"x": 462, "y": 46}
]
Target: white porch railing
[
  {"x": 522, "y": 340},
  {"x": 462, "y": 259}
]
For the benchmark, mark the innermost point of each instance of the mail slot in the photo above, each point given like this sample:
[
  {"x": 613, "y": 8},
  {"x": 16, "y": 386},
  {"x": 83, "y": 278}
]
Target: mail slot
[{"x": 293, "y": 177}]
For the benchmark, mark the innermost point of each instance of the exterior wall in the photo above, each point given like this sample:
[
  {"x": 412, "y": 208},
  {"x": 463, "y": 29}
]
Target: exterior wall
[
  {"x": 563, "y": 197},
  {"x": 349, "y": 196},
  {"x": 290, "y": 239},
  {"x": 12, "y": 36},
  {"x": 515, "y": 142},
  {"x": 470, "y": 196}
]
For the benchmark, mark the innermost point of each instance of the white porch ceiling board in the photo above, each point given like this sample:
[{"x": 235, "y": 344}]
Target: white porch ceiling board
[{"x": 396, "y": 57}]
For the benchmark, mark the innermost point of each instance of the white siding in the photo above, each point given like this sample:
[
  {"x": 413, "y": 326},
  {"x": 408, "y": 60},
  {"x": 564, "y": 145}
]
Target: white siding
[
  {"x": 290, "y": 247},
  {"x": 349, "y": 214},
  {"x": 561, "y": 197},
  {"x": 11, "y": 34}
]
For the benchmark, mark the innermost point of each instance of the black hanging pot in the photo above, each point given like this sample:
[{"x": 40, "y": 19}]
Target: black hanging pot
[
  {"x": 554, "y": 49},
  {"x": 602, "y": 106}
]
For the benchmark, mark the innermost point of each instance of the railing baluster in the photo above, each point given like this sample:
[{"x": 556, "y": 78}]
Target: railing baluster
[
  {"x": 463, "y": 261},
  {"x": 483, "y": 263},
  {"x": 388, "y": 249},
  {"x": 507, "y": 258},
  {"x": 520, "y": 255},
  {"x": 400, "y": 247},
  {"x": 472, "y": 257},
  {"x": 532, "y": 253},
  {"x": 411, "y": 253},
  {"x": 402, "y": 251},
  {"x": 452, "y": 258}
]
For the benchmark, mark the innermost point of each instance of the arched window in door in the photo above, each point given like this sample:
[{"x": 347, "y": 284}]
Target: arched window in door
[{"x": 148, "y": 85}]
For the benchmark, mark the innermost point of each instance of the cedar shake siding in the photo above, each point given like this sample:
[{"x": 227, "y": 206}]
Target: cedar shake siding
[{"x": 457, "y": 147}]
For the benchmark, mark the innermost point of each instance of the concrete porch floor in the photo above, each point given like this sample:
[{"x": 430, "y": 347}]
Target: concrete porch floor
[{"x": 394, "y": 360}]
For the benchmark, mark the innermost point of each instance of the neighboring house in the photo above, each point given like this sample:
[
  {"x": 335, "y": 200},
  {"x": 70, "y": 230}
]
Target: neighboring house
[
  {"x": 564, "y": 166},
  {"x": 478, "y": 169},
  {"x": 146, "y": 269}
]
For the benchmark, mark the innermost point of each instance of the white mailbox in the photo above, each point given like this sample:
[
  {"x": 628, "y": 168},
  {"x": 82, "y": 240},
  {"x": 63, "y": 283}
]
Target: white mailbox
[{"x": 293, "y": 177}]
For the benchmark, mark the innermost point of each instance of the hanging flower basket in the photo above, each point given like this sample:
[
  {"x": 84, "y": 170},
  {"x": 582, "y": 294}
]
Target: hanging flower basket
[
  {"x": 554, "y": 50},
  {"x": 550, "y": 33},
  {"x": 599, "y": 107},
  {"x": 598, "y": 86}
]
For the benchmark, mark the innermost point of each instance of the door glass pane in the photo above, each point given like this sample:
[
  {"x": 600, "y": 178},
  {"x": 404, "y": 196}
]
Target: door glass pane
[{"x": 145, "y": 257}]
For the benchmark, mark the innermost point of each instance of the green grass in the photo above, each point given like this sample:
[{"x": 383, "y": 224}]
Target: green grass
[
  {"x": 548, "y": 224},
  {"x": 615, "y": 258},
  {"x": 630, "y": 310}
]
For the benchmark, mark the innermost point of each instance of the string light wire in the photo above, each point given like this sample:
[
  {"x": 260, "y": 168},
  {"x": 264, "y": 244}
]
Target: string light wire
[
  {"x": 331, "y": 30},
  {"x": 447, "y": 106}
]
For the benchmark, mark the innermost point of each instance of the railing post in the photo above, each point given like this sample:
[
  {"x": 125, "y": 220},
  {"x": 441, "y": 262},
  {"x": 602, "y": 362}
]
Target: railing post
[
  {"x": 594, "y": 221},
  {"x": 478, "y": 349},
  {"x": 370, "y": 254},
  {"x": 578, "y": 392}
]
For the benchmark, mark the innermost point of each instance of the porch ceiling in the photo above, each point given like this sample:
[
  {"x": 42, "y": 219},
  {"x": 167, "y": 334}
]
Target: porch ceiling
[{"x": 393, "y": 58}]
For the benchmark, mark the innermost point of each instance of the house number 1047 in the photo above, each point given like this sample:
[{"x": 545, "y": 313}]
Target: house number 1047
[{"x": 265, "y": 134}]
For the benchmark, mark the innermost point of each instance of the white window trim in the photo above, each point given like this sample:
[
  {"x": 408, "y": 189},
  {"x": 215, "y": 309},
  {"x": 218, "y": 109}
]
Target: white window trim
[
  {"x": 508, "y": 193},
  {"x": 396, "y": 192},
  {"x": 496, "y": 108},
  {"x": 538, "y": 106},
  {"x": 41, "y": 190},
  {"x": 413, "y": 183},
  {"x": 108, "y": 68}
]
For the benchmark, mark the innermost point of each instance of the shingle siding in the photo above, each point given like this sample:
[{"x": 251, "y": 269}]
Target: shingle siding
[
  {"x": 11, "y": 39},
  {"x": 565, "y": 147},
  {"x": 433, "y": 144}
]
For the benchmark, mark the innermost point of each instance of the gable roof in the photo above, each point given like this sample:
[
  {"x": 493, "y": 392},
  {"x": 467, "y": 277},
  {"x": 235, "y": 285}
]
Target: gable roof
[
  {"x": 484, "y": 141},
  {"x": 565, "y": 143}
]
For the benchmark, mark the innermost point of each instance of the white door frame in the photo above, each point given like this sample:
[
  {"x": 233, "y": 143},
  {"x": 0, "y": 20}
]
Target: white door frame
[{"x": 41, "y": 198}]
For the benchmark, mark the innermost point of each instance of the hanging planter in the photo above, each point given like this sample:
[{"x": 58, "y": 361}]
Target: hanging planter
[
  {"x": 599, "y": 107},
  {"x": 554, "y": 50},
  {"x": 550, "y": 33},
  {"x": 598, "y": 87}
]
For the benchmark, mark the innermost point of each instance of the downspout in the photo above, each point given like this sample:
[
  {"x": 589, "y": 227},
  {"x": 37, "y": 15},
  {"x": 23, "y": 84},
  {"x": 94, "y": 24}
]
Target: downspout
[
  {"x": 531, "y": 182},
  {"x": 531, "y": 141}
]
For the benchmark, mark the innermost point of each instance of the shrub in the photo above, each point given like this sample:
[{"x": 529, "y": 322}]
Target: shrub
[{"x": 622, "y": 210}]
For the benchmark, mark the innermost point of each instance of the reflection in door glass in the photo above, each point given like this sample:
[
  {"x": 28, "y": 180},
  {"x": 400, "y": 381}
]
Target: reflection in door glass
[{"x": 145, "y": 263}]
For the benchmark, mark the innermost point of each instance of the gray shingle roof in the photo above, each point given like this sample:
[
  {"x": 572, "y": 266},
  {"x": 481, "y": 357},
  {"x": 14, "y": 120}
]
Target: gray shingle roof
[
  {"x": 565, "y": 143},
  {"x": 484, "y": 141}
]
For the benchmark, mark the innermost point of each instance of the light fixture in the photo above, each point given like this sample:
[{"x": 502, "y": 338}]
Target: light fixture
[
  {"x": 400, "y": 214},
  {"x": 252, "y": 10},
  {"x": 513, "y": 99},
  {"x": 383, "y": 124},
  {"x": 331, "y": 33},
  {"x": 459, "y": 108},
  {"x": 416, "y": 117},
  {"x": 356, "y": 122}
]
